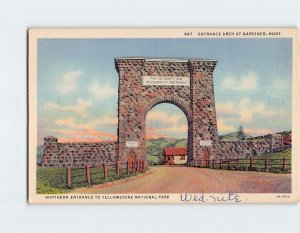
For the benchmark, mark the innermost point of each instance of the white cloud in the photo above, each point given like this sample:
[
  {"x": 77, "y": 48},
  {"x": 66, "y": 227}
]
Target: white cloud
[
  {"x": 68, "y": 82},
  {"x": 164, "y": 117},
  {"x": 102, "y": 91},
  {"x": 245, "y": 110},
  {"x": 173, "y": 121},
  {"x": 72, "y": 130},
  {"x": 88, "y": 124},
  {"x": 80, "y": 107},
  {"x": 227, "y": 107},
  {"x": 65, "y": 122},
  {"x": 104, "y": 120},
  {"x": 246, "y": 82},
  {"x": 224, "y": 127}
]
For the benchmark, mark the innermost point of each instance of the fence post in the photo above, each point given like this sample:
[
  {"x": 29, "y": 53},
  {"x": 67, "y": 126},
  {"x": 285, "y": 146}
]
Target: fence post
[
  {"x": 229, "y": 165},
  {"x": 283, "y": 163},
  {"x": 213, "y": 163},
  {"x": 132, "y": 166},
  {"x": 69, "y": 177},
  {"x": 221, "y": 163},
  {"x": 266, "y": 163},
  {"x": 250, "y": 166},
  {"x": 88, "y": 174},
  {"x": 128, "y": 168},
  {"x": 118, "y": 168},
  {"x": 105, "y": 170}
]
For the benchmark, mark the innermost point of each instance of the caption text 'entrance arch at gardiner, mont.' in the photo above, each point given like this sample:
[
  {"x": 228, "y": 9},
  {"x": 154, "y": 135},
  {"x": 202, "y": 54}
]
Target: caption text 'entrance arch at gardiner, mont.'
[{"x": 144, "y": 83}]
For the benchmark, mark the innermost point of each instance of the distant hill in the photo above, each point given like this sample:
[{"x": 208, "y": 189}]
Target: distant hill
[
  {"x": 236, "y": 136},
  {"x": 154, "y": 147},
  {"x": 285, "y": 133}
]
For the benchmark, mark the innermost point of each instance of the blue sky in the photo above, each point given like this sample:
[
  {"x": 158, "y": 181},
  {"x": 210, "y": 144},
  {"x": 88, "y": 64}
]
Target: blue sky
[{"x": 77, "y": 85}]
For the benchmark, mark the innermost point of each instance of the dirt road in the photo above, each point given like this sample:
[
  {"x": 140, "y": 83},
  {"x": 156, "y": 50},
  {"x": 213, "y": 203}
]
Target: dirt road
[{"x": 197, "y": 180}]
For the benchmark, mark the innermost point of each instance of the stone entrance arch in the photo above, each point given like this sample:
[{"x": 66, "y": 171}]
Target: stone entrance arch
[{"x": 186, "y": 83}]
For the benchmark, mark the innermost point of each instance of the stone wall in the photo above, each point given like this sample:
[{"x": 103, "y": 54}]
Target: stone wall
[
  {"x": 77, "y": 154},
  {"x": 247, "y": 148},
  {"x": 243, "y": 149}
]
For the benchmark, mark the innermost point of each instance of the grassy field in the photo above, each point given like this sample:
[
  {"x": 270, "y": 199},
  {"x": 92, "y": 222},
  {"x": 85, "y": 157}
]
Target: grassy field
[
  {"x": 278, "y": 155},
  {"x": 275, "y": 166},
  {"x": 258, "y": 163},
  {"x": 53, "y": 180},
  {"x": 152, "y": 159}
]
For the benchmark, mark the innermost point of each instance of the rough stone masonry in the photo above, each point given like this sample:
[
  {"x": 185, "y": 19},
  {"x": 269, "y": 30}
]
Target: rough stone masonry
[
  {"x": 196, "y": 100},
  {"x": 78, "y": 154},
  {"x": 144, "y": 83}
]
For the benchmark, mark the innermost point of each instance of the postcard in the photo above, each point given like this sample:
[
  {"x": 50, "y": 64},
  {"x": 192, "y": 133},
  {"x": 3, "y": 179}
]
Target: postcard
[{"x": 163, "y": 115}]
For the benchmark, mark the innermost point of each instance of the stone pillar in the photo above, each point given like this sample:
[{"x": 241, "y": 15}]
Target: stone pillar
[
  {"x": 204, "y": 124},
  {"x": 50, "y": 152},
  {"x": 130, "y": 115}
]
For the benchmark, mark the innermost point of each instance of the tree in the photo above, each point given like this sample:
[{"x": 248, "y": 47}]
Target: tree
[{"x": 240, "y": 132}]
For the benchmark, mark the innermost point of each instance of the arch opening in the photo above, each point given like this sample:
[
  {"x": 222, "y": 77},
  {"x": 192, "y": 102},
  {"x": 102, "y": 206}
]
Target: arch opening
[{"x": 166, "y": 134}]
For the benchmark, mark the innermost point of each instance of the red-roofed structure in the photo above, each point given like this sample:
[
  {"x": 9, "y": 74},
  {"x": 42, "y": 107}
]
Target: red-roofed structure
[{"x": 175, "y": 156}]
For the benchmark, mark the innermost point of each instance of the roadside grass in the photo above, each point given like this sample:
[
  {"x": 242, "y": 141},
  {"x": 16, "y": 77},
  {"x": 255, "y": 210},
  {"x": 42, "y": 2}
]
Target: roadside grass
[
  {"x": 276, "y": 166},
  {"x": 258, "y": 163},
  {"x": 53, "y": 180},
  {"x": 278, "y": 155},
  {"x": 152, "y": 159}
]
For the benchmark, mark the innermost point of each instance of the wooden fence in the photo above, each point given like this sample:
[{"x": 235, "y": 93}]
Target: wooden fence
[
  {"x": 104, "y": 172},
  {"x": 248, "y": 164}
]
